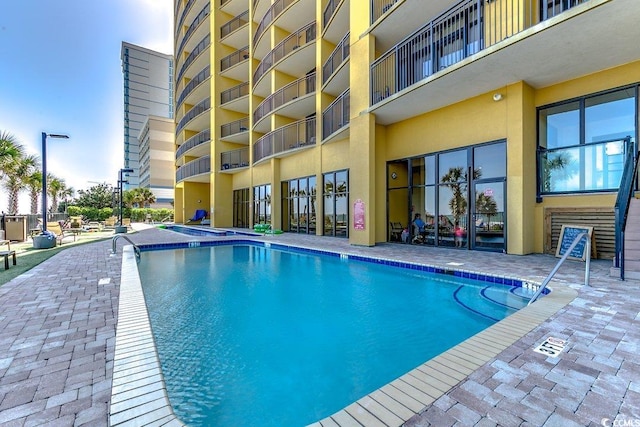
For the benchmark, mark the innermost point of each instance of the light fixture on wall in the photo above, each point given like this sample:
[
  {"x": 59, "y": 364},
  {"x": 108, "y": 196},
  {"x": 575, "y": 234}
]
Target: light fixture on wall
[{"x": 497, "y": 97}]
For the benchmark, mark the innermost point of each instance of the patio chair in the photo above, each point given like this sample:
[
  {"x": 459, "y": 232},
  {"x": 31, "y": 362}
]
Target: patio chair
[{"x": 199, "y": 215}]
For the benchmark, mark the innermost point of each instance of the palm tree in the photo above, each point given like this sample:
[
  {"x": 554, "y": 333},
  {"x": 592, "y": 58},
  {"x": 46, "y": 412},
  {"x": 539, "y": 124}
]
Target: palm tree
[
  {"x": 554, "y": 162},
  {"x": 10, "y": 152},
  {"x": 456, "y": 180},
  {"x": 143, "y": 197},
  {"x": 15, "y": 180},
  {"x": 34, "y": 185},
  {"x": 486, "y": 205},
  {"x": 66, "y": 193},
  {"x": 55, "y": 185}
]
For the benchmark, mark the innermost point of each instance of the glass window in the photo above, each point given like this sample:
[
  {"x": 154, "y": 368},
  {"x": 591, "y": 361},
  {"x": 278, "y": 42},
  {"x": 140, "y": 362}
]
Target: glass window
[
  {"x": 453, "y": 166},
  {"x": 336, "y": 204},
  {"x": 609, "y": 116},
  {"x": 490, "y": 161},
  {"x": 560, "y": 125}
]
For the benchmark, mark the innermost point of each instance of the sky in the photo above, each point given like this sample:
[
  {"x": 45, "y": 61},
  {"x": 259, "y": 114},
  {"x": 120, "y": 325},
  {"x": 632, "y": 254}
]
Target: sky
[{"x": 61, "y": 73}]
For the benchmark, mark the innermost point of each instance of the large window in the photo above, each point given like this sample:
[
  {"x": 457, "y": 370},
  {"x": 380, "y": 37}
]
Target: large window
[
  {"x": 262, "y": 203},
  {"x": 582, "y": 142},
  {"x": 336, "y": 203},
  {"x": 241, "y": 208},
  {"x": 299, "y": 205}
]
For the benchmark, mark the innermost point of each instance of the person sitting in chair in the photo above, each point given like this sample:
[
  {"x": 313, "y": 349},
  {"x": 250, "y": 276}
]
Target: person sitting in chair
[{"x": 419, "y": 224}]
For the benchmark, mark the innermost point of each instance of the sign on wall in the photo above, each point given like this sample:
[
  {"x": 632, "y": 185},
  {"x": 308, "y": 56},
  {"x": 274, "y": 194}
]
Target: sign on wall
[
  {"x": 568, "y": 233},
  {"x": 358, "y": 215}
]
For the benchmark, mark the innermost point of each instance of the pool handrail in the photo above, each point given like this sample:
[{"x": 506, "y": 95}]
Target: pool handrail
[
  {"x": 114, "y": 240},
  {"x": 575, "y": 242}
]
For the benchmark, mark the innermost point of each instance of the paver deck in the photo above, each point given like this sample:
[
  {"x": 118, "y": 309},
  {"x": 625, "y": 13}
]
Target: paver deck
[{"x": 58, "y": 339}]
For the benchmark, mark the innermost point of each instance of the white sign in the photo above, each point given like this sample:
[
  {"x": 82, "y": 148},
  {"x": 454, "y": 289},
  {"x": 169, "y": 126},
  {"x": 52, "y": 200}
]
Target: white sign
[{"x": 551, "y": 347}]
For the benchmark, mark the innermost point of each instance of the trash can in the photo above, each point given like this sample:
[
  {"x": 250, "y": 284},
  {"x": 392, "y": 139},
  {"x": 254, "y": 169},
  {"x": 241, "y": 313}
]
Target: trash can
[{"x": 15, "y": 228}]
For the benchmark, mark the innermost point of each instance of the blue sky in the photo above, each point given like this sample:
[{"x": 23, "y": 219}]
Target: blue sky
[{"x": 61, "y": 73}]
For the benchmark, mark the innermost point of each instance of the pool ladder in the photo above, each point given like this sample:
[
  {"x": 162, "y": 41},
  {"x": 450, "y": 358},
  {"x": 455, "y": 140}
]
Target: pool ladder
[
  {"x": 575, "y": 242},
  {"x": 114, "y": 240}
]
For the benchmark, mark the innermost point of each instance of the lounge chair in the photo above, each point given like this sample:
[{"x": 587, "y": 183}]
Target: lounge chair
[{"x": 199, "y": 215}]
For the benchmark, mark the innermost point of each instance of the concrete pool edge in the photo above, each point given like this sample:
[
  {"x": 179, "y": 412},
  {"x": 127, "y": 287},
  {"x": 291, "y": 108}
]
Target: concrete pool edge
[{"x": 139, "y": 395}]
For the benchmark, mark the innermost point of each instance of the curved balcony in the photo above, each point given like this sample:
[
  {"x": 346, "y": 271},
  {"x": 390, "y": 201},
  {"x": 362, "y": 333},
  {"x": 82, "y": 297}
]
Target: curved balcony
[
  {"x": 194, "y": 112},
  {"x": 336, "y": 117},
  {"x": 193, "y": 27},
  {"x": 198, "y": 140},
  {"x": 236, "y": 98},
  {"x": 335, "y": 73},
  {"x": 335, "y": 20},
  {"x": 236, "y": 65},
  {"x": 197, "y": 170},
  {"x": 260, "y": 7},
  {"x": 287, "y": 15},
  {"x": 236, "y": 131},
  {"x": 235, "y": 32},
  {"x": 286, "y": 140},
  {"x": 294, "y": 100},
  {"x": 183, "y": 15},
  {"x": 233, "y": 7},
  {"x": 232, "y": 161},
  {"x": 195, "y": 53},
  {"x": 193, "y": 84},
  {"x": 294, "y": 56}
]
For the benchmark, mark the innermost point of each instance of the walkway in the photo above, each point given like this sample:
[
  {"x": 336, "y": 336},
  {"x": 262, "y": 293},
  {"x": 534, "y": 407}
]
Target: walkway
[{"x": 57, "y": 337}]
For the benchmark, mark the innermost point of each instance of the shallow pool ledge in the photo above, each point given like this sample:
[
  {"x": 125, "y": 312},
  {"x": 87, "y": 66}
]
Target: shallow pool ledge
[
  {"x": 138, "y": 393},
  {"x": 411, "y": 394}
]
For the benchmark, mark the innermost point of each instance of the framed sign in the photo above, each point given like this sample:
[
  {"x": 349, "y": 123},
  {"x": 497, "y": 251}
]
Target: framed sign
[
  {"x": 568, "y": 233},
  {"x": 358, "y": 215}
]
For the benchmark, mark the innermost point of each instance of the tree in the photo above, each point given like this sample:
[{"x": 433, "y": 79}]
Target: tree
[
  {"x": 17, "y": 172},
  {"x": 138, "y": 197},
  {"x": 55, "y": 186},
  {"x": 34, "y": 185},
  {"x": 554, "y": 163},
  {"x": 10, "y": 152},
  {"x": 99, "y": 196},
  {"x": 486, "y": 205}
]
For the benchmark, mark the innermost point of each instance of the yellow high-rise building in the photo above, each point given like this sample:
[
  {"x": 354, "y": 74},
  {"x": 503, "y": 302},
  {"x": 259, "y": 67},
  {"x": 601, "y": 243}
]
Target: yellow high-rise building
[{"x": 495, "y": 120}]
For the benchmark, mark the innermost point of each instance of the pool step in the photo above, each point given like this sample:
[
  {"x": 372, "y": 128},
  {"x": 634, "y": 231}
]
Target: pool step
[{"x": 491, "y": 301}]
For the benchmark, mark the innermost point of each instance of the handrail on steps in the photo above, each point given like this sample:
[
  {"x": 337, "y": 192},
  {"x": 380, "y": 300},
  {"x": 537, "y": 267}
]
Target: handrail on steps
[
  {"x": 575, "y": 242},
  {"x": 114, "y": 240}
]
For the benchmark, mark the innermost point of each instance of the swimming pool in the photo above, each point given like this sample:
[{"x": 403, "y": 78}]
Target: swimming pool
[
  {"x": 196, "y": 231},
  {"x": 261, "y": 309}
]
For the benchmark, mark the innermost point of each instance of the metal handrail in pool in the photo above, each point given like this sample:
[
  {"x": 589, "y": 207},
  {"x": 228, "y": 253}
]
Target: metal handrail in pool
[
  {"x": 575, "y": 242},
  {"x": 114, "y": 240}
]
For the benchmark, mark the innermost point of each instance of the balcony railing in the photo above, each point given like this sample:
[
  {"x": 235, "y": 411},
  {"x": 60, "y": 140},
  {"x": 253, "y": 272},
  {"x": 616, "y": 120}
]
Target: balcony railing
[
  {"x": 194, "y": 141},
  {"x": 301, "y": 37},
  {"x": 202, "y": 76},
  {"x": 223, "y": 2},
  {"x": 237, "y": 22},
  {"x": 270, "y": 16},
  {"x": 204, "y": 44},
  {"x": 465, "y": 29},
  {"x": 293, "y": 90},
  {"x": 336, "y": 115},
  {"x": 290, "y": 137},
  {"x": 233, "y": 128},
  {"x": 234, "y": 93},
  {"x": 379, "y": 8},
  {"x": 235, "y": 58},
  {"x": 193, "y": 168},
  {"x": 194, "y": 26},
  {"x": 186, "y": 10},
  {"x": 331, "y": 7},
  {"x": 196, "y": 110},
  {"x": 234, "y": 159},
  {"x": 338, "y": 56}
]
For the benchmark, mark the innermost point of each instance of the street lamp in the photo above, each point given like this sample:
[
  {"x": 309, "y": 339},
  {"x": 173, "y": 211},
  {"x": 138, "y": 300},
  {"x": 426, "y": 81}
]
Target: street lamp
[
  {"x": 44, "y": 174},
  {"x": 120, "y": 182}
]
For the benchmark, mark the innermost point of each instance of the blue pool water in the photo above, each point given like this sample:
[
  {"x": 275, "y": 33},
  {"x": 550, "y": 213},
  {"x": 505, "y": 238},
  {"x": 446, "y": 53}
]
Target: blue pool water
[
  {"x": 255, "y": 336},
  {"x": 195, "y": 231}
]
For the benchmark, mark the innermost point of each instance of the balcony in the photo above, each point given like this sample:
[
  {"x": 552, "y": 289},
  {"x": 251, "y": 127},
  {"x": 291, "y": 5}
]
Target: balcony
[
  {"x": 293, "y": 56},
  {"x": 236, "y": 65},
  {"x": 233, "y": 7},
  {"x": 294, "y": 100},
  {"x": 198, "y": 143},
  {"x": 336, "y": 118},
  {"x": 335, "y": 20},
  {"x": 183, "y": 14},
  {"x": 452, "y": 59},
  {"x": 237, "y": 131},
  {"x": 194, "y": 112},
  {"x": 197, "y": 170},
  {"x": 194, "y": 84},
  {"x": 286, "y": 140},
  {"x": 288, "y": 15},
  {"x": 195, "y": 55},
  {"x": 335, "y": 76},
  {"x": 236, "y": 98},
  {"x": 235, "y": 32},
  {"x": 233, "y": 161},
  {"x": 195, "y": 29}
]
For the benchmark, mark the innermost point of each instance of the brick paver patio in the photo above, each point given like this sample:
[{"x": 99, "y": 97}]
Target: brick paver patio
[{"x": 58, "y": 326}]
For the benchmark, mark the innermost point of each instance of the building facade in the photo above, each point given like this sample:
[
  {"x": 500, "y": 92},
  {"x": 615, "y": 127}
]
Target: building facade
[
  {"x": 148, "y": 90},
  {"x": 495, "y": 120},
  {"x": 157, "y": 159}
]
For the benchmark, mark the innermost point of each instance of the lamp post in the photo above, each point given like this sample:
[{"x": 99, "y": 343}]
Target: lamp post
[
  {"x": 44, "y": 174},
  {"x": 120, "y": 182}
]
